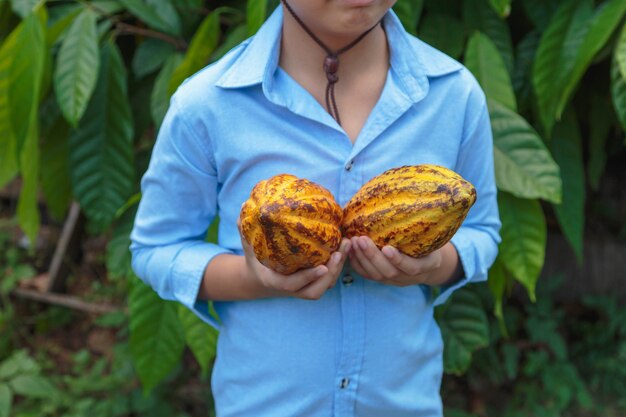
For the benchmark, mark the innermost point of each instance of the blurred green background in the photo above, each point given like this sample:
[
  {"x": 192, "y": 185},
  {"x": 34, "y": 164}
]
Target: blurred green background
[{"x": 84, "y": 86}]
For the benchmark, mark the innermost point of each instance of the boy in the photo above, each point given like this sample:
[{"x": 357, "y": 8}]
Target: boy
[{"x": 337, "y": 92}]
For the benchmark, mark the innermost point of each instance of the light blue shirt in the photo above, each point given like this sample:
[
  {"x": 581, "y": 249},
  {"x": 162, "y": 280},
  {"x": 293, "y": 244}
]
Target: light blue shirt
[{"x": 364, "y": 349}]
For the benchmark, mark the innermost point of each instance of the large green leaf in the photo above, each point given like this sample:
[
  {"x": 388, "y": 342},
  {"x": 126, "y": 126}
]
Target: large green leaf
[
  {"x": 523, "y": 246},
  {"x": 255, "y": 15},
  {"x": 26, "y": 74},
  {"x": 156, "y": 335},
  {"x": 557, "y": 56},
  {"x": 444, "y": 32},
  {"x": 524, "y": 166},
  {"x": 63, "y": 20},
  {"x": 464, "y": 328},
  {"x": 6, "y": 401},
  {"x": 567, "y": 149},
  {"x": 232, "y": 38},
  {"x": 620, "y": 52},
  {"x": 77, "y": 67},
  {"x": 524, "y": 59},
  {"x": 158, "y": 14},
  {"x": 28, "y": 67},
  {"x": 485, "y": 62},
  {"x": 160, "y": 97},
  {"x": 498, "y": 282},
  {"x": 478, "y": 15},
  {"x": 601, "y": 27},
  {"x": 618, "y": 93},
  {"x": 202, "y": 45},
  {"x": 101, "y": 152},
  {"x": 409, "y": 12},
  {"x": 600, "y": 122},
  {"x": 199, "y": 336},
  {"x": 8, "y": 151},
  {"x": 502, "y": 7},
  {"x": 150, "y": 56}
]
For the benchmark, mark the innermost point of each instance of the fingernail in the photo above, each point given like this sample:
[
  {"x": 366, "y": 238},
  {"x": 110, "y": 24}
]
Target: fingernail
[
  {"x": 335, "y": 258},
  {"x": 321, "y": 271},
  {"x": 363, "y": 243},
  {"x": 389, "y": 251}
]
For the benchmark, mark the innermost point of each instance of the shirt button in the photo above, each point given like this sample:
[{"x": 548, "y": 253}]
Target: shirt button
[
  {"x": 347, "y": 280},
  {"x": 349, "y": 166},
  {"x": 344, "y": 383}
]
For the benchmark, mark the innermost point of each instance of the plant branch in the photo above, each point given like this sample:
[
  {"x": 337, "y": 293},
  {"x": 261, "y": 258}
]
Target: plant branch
[{"x": 126, "y": 28}]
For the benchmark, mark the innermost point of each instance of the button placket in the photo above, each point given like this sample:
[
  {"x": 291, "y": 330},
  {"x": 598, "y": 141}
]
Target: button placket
[
  {"x": 347, "y": 280},
  {"x": 349, "y": 165}
]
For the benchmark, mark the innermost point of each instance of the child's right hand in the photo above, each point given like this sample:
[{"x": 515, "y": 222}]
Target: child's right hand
[{"x": 308, "y": 284}]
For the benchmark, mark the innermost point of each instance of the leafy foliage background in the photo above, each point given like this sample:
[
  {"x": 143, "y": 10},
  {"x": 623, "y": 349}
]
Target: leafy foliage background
[{"x": 84, "y": 86}]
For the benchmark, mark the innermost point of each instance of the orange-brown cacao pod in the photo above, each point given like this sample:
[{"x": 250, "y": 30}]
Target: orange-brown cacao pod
[
  {"x": 291, "y": 223},
  {"x": 416, "y": 209}
]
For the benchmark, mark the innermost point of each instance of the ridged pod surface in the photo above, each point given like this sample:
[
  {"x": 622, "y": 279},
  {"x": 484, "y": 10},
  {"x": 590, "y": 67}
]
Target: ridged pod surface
[
  {"x": 416, "y": 209},
  {"x": 291, "y": 223}
]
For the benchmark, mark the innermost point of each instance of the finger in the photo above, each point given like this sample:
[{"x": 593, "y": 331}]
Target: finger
[
  {"x": 297, "y": 281},
  {"x": 356, "y": 265},
  {"x": 371, "y": 271},
  {"x": 407, "y": 264},
  {"x": 378, "y": 260},
  {"x": 317, "y": 288},
  {"x": 335, "y": 268}
]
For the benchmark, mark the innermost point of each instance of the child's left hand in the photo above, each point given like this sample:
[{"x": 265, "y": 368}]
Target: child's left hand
[{"x": 390, "y": 266}]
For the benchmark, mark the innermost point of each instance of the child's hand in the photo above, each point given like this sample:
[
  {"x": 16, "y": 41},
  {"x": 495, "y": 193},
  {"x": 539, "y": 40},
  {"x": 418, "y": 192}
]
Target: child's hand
[
  {"x": 390, "y": 266},
  {"x": 309, "y": 284}
]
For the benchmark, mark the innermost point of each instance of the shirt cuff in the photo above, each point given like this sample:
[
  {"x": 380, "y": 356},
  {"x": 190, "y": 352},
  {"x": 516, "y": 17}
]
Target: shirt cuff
[{"x": 187, "y": 275}]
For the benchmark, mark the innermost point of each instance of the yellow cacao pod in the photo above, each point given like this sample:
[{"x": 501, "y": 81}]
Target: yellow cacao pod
[
  {"x": 291, "y": 223},
  {"x": 416, "y": 209}
]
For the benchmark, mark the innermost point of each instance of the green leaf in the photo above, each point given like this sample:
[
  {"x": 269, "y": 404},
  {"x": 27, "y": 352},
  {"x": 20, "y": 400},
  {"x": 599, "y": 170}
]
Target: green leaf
[
  {"x": 101, "y": 150},
  {"x": 502, "y": 7},
  {"x": 409, "y": 12},
  {"x": 150, "y": 56},
  {"x": 27, "y": 210},
  {"x": 199, "y": 336},
  {"x": 77, "y": 67},
  {"x": 23, "y": 8},
  {"x": 523, "y": 246},
  {"x": 160, "y": 15},
  {"x": 18, "y": 363},
  {"x": 541, "y": 11},
  {"x": 557, "y": 56},
  {"x": 444, "y": 32},
  {"x": 26, "y": 74},
  {"x": 55, "y": 168},
  {"x": 618, "y": 93},
  {"x": 160, "y": 97},
  {"x": 234, "y": 37},
  {"x": 28, "y": 67},
  {"x": 118, "y": 258},
  {"x": 485, "y": 62},
  {"x": 601, "y": 27},
  {"x": 156, "y": 335},
  {"x": 524, "y": 59},
  {"x": 256, "y": 11},
  {"x": 524, "y": 166},
  {"x": 497, "y": 283},
  {"x": 33, "y": 386},
  {"x": 200, "y": 49},
  {"x": 464, "y": 328},
  {"x": 479, "y": 16},
  {"x": 599, "y": 127},
  {"x": 8, "y": 145},
  {"x": 620, "y": 52},
  {"x": 6, "y": 401},
  {"x": 567, "y": 150}
]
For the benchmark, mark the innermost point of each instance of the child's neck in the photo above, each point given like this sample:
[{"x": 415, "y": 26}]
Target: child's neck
[{"x": 301, "y": 56}]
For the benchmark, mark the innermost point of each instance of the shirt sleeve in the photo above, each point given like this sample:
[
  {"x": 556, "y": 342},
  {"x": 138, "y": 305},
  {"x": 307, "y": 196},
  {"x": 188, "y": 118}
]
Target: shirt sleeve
[
  {"x": 178, "y": 204},
  {"x": 477, "y": 239}
]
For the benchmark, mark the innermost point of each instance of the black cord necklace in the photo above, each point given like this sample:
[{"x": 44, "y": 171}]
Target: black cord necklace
[{"x": 331, "y": 62}]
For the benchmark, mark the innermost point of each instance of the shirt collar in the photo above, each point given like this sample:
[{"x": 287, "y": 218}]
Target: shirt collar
[{"x": 411, "y": 59}]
